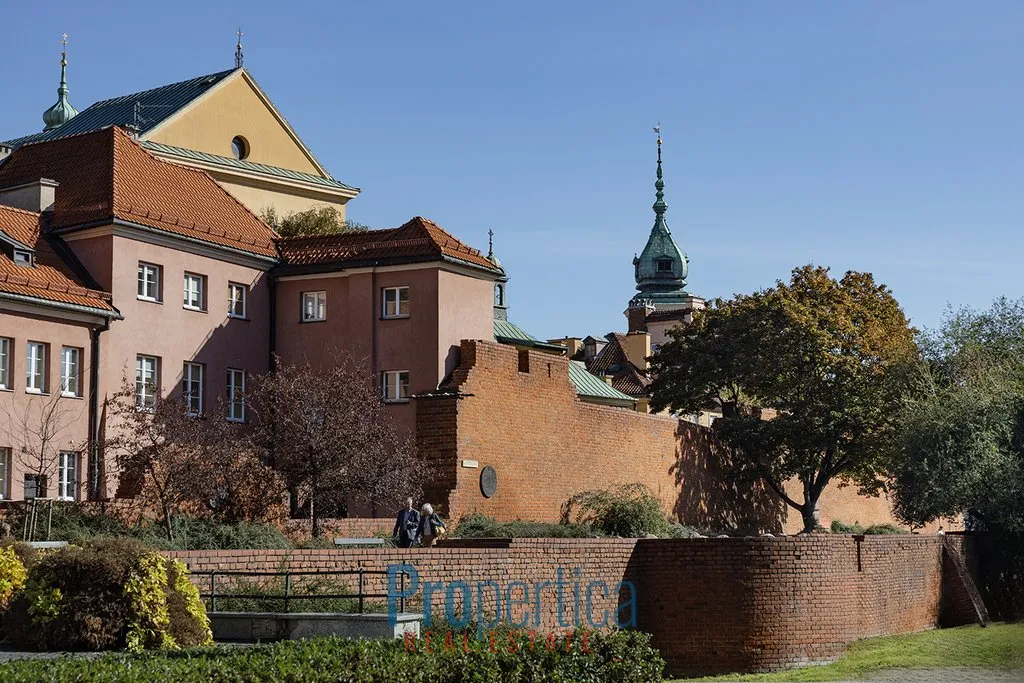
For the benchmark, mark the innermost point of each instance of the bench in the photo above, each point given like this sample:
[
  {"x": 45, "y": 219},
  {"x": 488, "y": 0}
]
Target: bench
[{"x": 359, "y": 541}]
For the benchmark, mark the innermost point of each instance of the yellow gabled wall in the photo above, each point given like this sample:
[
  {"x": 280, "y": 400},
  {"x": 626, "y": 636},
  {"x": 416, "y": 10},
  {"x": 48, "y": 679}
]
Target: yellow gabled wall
[{"x": 232, "y": 108}]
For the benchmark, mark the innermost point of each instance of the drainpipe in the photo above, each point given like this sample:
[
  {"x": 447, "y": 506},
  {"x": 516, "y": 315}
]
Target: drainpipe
[
  {"x": 373, "y": 319},
  {"x": 272, "y": 286},
  {"x": 94, "y": 409}
]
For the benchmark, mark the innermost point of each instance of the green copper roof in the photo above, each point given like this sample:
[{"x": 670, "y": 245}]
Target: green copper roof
[
  {"x": 145, "y": 109},
  {"x": 62, "y": 111},
  {"x": 589, "y": 386},
  {"x": 509, "y": 333},
  {"x": 241, "y": 164}
]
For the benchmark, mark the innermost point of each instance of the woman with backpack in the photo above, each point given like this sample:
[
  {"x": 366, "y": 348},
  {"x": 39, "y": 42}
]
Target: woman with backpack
[{"x": 431, "y": 526}]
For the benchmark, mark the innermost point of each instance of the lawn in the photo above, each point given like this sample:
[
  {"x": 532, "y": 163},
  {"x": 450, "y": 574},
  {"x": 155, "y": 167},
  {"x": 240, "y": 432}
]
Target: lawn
[{"x": 998, "y": 646}]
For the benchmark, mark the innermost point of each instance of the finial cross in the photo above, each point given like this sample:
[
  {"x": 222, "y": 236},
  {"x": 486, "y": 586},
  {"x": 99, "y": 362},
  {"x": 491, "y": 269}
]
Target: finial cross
[{"x": 490, "y": 240}]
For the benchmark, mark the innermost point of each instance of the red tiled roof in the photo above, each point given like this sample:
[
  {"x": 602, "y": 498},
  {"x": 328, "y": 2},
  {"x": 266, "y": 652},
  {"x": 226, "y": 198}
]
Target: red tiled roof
[
  {"x": 673, "y": 314},
  {"x": 50, "y": 279},
  {"x": 106, "y": 174},
  {"x": 612, "y": 361},
  {"x": 418, "y": 237}
]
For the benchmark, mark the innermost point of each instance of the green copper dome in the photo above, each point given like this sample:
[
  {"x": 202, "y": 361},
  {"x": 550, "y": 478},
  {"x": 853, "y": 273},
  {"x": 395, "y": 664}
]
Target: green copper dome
[
  {"x": 661, "y": 268},
  {"x": 62, "y": 112}
]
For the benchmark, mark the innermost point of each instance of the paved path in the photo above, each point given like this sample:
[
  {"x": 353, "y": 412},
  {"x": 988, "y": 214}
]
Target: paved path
[{"x": 952, "y": 674}]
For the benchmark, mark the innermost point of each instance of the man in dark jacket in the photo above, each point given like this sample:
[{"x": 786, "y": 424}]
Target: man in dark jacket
[{"x": 406, "y": 525}]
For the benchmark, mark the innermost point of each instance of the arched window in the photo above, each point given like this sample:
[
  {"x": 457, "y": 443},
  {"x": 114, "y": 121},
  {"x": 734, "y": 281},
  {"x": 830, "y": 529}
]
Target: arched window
[
  {"x": 239, "y": 147},
  {"x": 499, "y": 295}
]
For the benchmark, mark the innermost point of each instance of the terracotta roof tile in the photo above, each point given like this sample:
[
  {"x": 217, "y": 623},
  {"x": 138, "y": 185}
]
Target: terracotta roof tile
[
  {"x": 418, "y": 237},
  {"x": 51, "y": 279},
  {"x": 612, "y": 360},
  {"x": 106, "y": 174}
]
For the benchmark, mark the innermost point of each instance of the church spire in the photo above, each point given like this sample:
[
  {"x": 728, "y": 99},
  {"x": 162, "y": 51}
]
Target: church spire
[
  {"x": 62, "y": 111},
  {"x": 239, "y": 57},
  {"x": 659, "y": 185}
]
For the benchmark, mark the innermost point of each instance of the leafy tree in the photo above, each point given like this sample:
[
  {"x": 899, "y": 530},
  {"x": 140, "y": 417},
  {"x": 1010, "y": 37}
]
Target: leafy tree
[
  {"x": 322, "y": 220},
  {"x": 824, "y": 359},
  {"x": 331, "y": 436},
  {"x": 963, "y": 439}
]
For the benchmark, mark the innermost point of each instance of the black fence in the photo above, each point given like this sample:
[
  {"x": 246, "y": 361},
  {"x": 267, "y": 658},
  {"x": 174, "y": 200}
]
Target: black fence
[{"x": 290, "y": 592}]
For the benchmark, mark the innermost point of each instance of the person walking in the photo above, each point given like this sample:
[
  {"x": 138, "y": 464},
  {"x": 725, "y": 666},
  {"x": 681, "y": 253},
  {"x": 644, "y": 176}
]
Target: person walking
[
  {"x": 407, "y": 525},
  {"x": 431, "y": 526}
]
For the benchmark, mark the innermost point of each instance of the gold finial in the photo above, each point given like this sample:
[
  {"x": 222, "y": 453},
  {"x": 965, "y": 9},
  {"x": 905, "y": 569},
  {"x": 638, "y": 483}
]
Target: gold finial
[{"x": 657, "y": 129}]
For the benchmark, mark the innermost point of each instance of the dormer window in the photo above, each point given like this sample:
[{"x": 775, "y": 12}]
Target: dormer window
[
  {"x": 664, "y": 265},
  {"x": 23, "y": 258}
]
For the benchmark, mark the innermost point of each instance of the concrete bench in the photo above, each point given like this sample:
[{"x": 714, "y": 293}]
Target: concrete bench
[{"x": 359, "y": 541}]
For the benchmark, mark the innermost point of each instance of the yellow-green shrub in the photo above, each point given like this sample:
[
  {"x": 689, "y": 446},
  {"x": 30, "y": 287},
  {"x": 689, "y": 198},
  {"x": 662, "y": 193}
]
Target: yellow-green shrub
[{"x": 12, "y": 576}]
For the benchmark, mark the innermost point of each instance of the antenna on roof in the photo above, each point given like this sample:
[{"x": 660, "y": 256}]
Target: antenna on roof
[
  {"x": 239, "y": 57},
  {"x": 138, "y": 120}
]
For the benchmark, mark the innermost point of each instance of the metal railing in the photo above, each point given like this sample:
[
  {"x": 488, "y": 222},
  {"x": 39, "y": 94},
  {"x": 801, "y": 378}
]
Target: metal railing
[{"x": 289, "y": 594}]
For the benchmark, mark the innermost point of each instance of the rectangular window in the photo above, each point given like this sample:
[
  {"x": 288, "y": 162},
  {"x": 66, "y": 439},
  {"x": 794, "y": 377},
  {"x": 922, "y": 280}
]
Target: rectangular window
[
  {"x": 5, "y": 473},
  {"x": 396, "y": 302},
  {"x": 69, "y": 371},
  {"x": 236, "y": 395},
  {"x": 237, "y": 299},
  {"x": 192, "y": 387},
  {"x": 195, "y": 292},
  {"x": 35, "y": 368},
  {"x": 149, "y": 282},
  {"x": 314, "y": 306},
  {"x": 35, "y": 486},
  {"x": 394, "y": 385},
  {"x": 22, "y": 258},
  {"x": 67, "y": 476},
  {"x": 146, "y": 378},
  {"x": 5, "y": 362}
]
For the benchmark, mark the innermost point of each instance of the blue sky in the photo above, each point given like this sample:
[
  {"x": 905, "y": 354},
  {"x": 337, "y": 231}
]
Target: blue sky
[{"x": 878, "y": 136}]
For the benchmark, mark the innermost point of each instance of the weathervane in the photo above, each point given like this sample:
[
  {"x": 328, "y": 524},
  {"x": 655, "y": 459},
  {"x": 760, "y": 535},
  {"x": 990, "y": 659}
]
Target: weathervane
[
  {"x": 657, "y": 129},
  {"x": 238, "y": 50},
  {"x": 490, "y": 242}
]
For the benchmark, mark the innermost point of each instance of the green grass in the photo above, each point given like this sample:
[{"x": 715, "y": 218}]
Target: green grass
[{"x": 999, "y": 646}]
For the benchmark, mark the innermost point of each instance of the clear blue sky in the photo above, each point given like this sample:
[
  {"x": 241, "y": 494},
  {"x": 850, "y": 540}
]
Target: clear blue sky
[{"x": 878, "y": 136}]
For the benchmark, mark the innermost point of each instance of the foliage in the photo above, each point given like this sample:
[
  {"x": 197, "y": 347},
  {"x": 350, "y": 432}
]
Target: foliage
[
  {"x": 481, "y": 526},
  {"x": 873, "y": 530},
  {"x": 331, "y": 437},
  {"x": 630, "y": 511},
  {"x": 38, "y": 432},
  {"x": 269, "y": 596},
  {"x": 619, "y": 657},
  {"x": 963, "y": 440},
  {"x": 323, "y": 220},
  {"x": 112, "y": 594},
  {"x": 827, "y": 359},
  {"x": 12, "y": 575}
]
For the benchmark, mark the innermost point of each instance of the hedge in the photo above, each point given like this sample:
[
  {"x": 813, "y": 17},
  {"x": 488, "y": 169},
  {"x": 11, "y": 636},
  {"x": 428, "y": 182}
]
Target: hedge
[{"x": 619, "y": 657}]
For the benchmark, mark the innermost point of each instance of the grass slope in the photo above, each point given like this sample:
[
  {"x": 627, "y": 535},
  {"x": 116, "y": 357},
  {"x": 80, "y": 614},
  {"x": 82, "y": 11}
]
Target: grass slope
[{"x": 997, "y": 646}]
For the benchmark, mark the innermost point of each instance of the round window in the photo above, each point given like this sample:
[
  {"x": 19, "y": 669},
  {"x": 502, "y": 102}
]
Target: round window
[{"x": 239, "y": 147}]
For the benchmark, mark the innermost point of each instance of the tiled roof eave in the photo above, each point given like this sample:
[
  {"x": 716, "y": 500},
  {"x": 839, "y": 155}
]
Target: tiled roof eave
[
  {"x": 490, "y": 270},
  {"x": 111, "y": 313}
]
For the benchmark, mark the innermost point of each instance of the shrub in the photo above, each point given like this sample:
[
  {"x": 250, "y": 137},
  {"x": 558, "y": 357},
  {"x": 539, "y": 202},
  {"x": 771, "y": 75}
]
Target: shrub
[
  {"x": 196, "y": 533},
  {"x": 873, "y": 530},
  {"x": 838, "y": 527},
  {"x": 619, "y": 657},
  {"x": 113, "y": 594},
  {"x": 12, "y": 575},
  {"x": 880, "y": 529},
  {"x": 481, "y": 526},
  {"x": 631, "y": 511}
]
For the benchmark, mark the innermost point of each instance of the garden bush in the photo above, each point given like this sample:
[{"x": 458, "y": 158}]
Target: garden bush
[
  {"x": 619, "y": 657},
  {"x": 838, "y": 527},
  {"x": 111, "y": 594},
  {"x": 481, "y": 526},
  {"x": 12, "y": 575},
  {"x": 631, "y": 511}
]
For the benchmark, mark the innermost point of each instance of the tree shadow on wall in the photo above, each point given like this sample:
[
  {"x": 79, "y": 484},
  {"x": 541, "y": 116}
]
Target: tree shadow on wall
[{"x": 712, "y": 495}]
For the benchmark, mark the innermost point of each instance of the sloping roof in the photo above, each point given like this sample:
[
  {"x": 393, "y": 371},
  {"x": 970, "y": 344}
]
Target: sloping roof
[
  {"x": 106, "y": 175},
  {"x": 242, "y": 164},
  {"x": 612, "y": 361},
  {"x": 419, "y": 239},
  {"x": 508, "y": 332},
  {"x": 671, "y": 314},
  {"x": 155, "y": 105},
  {"x": 590, "y": 387},
  {"x": 51, "y": 279}
]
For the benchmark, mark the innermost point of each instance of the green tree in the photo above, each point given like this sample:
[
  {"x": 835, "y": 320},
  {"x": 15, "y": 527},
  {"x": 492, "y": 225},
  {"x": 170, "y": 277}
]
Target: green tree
[
  {"x": 321, "y": 220},
  {"x": 963, "y": 439},
  {"x": 827, "y": 358}
]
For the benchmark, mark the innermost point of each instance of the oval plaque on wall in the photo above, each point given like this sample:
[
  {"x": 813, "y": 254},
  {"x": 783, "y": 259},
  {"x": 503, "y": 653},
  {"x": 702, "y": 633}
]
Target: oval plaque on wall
[{"x": 488, "y": 481}]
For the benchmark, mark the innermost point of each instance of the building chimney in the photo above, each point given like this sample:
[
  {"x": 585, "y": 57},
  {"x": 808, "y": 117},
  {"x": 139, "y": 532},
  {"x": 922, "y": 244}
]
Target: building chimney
[
  {"x": 637, "y": 312},
  {"x": 573, "y": 344},
  {"x": 37, "y": 196},
  {"x": 638, "y": 349}
]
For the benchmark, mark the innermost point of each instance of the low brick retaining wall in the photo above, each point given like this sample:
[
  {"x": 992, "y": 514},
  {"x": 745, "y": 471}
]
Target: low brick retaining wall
[{"x": 712, "y": 605}]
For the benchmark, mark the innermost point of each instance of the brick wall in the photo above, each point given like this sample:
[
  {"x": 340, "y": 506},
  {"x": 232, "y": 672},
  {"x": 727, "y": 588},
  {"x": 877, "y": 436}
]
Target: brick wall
[
  {"x": 711, "y": 605},
  {"x": 546, "y": 445}
]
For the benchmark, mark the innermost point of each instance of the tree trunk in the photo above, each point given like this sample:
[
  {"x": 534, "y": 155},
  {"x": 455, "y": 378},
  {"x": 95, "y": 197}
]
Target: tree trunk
[
  {"x": 810, "y": 515},
  {"x": 167, "y": 522},
  {"x": 314, "y": 517}
]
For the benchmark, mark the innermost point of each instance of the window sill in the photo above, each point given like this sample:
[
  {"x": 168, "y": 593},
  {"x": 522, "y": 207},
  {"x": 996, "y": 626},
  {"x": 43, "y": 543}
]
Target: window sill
[
  {"x": 239, "y": 420},
  {"x": 6, "y": 389},
  {"x": 391, "y": 401},
  {"x": 238, "y": 317},
  {"x": 65, "y": 394},
  {"x": 194, "y": 309},
  {"x": 404, "y": 316},
  {"x": 313, "y": 320},
  {"x": 36, "y": 392},
  {"x": 148, "y": 300}
]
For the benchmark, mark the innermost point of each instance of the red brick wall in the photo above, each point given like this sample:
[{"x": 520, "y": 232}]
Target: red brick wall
[
  {"x": 546, "y": 445},
  {"x": 711, "y": 605}
]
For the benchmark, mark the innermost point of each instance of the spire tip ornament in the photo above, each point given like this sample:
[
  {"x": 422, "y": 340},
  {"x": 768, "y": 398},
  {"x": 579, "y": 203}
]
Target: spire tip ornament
[
  {"x": 239, "y": 57},
  {"x": 61, "y": 112}
]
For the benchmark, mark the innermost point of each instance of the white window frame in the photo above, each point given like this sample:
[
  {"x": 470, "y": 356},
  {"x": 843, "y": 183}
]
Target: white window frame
[
  {"x": 392, "y": 387},
  {"x": 35, "y": 367},
  {"x": 319, "y": 310},
  {"x": 6, "y": 347},
  {"x": 243, "y": 299},
  {"x": 391, "y": 304},
  {"x": 150, "y": 277},
  {"x": 23, "y": 258},
  {"x": 67, "y": 476},
  {"x": 70, "y": 371},
  {"x": 236, "y": 395},
  {"x": 146, "y": 400},
  {"x": 194, "y": 289},
  {"x": 5, "y": 473},
  {"x": 192, "y": 387}
]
